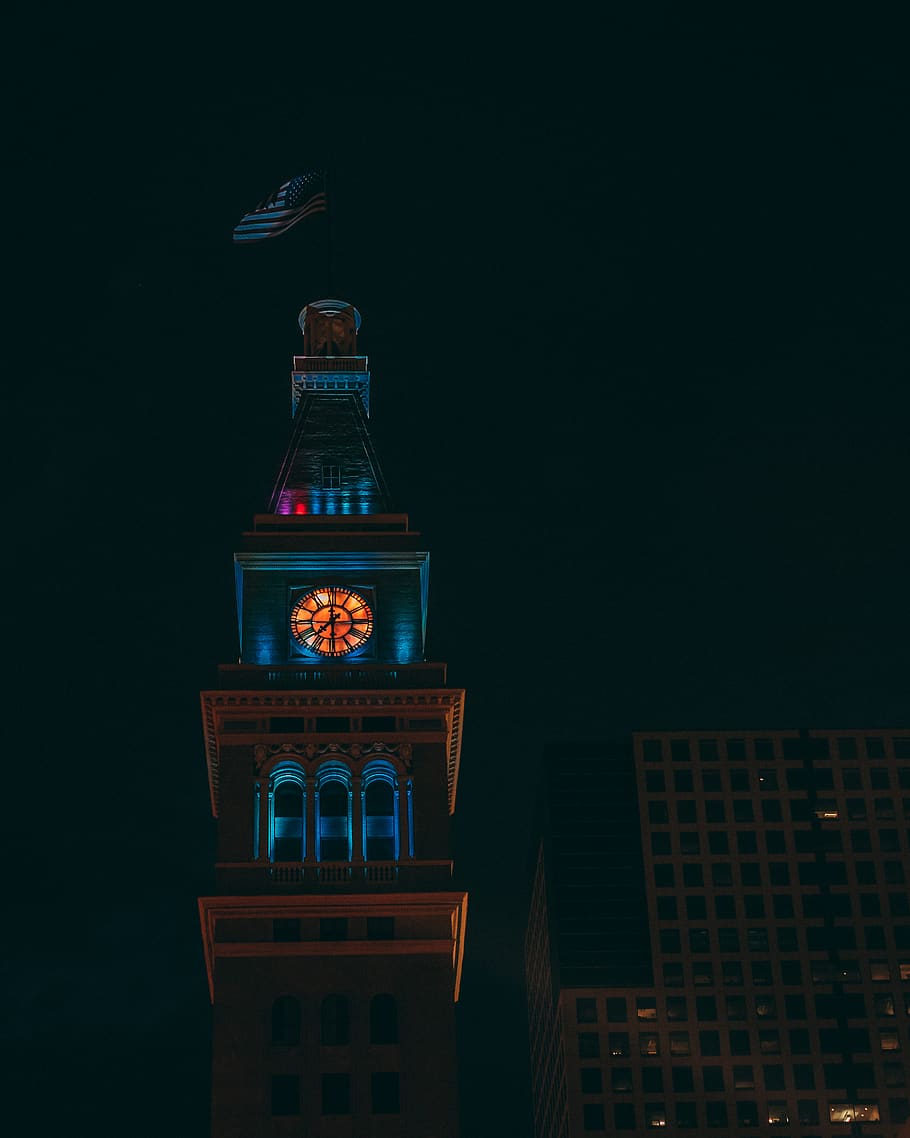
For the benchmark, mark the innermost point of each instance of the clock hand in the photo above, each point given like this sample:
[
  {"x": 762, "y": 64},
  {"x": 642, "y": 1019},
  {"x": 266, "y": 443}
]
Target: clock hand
[{"x": 331, "y": 621}]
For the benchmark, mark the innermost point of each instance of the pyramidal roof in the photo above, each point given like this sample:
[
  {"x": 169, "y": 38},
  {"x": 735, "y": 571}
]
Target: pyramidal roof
[{"x": 330, "y": 466}]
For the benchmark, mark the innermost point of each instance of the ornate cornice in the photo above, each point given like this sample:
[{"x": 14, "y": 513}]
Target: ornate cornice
[
  {"x": 264, "y": 753},
  {"x": 449, "y": 700}
]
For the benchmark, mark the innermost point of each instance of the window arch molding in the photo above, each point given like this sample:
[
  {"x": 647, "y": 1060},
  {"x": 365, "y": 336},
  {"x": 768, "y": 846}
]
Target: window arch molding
[
  {"x": 334, "y": 811},
  {"x": 287, "y": 789},
  {"x": 380, "y": 788}
]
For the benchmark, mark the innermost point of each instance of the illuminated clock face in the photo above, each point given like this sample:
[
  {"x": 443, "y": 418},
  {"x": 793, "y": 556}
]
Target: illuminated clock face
[{"x": 331, "y": 621}]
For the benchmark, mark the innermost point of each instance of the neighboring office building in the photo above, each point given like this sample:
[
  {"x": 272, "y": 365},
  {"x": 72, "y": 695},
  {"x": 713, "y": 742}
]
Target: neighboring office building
[{"x": 748, "y": 971}]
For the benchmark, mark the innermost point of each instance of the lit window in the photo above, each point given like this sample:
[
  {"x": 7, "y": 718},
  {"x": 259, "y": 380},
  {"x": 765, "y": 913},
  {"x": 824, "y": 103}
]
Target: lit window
[
  {"x": 853, "y": 1112},
  {"x": 702, "y": 973},
  {"x": 883, "y": 1004},
  {"x": 769, "y": 1042},
  {"x": 890, "y": 1041},
  {"x": 766, "y": 1007},
  {"x": 333, "y": 807},
  {"x": 646, "y": 1007},
  {"x": 777, "y": 1114},
  {"x": 655, "y": 1114},
  {"x": 286, "y": 795},
  {"x": 648, "y": 1043},
  {"x": 679, "y": 1043},
  {"x": 379, "y": 790}
]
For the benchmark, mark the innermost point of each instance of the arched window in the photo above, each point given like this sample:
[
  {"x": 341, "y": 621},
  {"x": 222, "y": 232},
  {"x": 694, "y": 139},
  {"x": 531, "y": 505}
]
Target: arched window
[
  {"x": 286, "y": 1021},
  {"x": 335, "y": 1029},
  {"x": 286, "y": 824},
  {"x": 383, "y": 1019},
  {"x": 333, "y": 799},
  {"x": 379, "y": 787}
]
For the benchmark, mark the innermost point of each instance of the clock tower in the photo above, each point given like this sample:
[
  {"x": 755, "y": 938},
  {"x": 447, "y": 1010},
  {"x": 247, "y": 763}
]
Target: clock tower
[{"x": 334, "y": 939}]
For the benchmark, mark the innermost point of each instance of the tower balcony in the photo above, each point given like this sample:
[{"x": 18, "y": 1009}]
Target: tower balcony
[
  {"x": 365, "y": 677},
  {"x": 332, "y": 876}
]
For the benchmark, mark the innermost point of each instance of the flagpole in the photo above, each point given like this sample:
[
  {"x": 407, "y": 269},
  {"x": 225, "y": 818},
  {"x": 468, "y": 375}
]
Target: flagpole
[{"x": 328, "y": 211}]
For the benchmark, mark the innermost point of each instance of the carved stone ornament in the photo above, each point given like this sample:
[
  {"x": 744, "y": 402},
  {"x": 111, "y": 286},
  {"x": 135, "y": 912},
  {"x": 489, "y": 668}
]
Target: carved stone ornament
[{"x": 264, "y": 753}]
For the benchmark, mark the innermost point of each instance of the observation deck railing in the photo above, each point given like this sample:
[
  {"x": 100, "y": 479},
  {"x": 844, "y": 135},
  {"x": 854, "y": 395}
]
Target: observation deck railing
[
  {"x": 309, "y": 876},
  {"x": 238, "y": 677}
]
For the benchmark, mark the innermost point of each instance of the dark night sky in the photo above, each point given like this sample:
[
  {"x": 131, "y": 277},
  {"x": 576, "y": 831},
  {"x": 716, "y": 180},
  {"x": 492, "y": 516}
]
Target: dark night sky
[{"x": 636, "y": 308}]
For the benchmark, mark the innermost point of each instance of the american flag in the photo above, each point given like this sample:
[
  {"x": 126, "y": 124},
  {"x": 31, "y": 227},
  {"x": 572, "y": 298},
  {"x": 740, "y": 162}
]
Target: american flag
[{"x": 289, "y": 204}]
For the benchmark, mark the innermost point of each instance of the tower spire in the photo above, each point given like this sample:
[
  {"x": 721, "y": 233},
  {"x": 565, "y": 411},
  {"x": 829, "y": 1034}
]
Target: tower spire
[{"x": 330, "y": 466}]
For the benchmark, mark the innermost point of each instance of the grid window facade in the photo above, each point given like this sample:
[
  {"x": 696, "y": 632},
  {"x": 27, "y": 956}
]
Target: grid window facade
[{"x": 776, "y": 866}]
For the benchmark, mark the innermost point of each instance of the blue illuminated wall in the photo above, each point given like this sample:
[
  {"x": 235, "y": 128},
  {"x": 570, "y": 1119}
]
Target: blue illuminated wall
[
  {"x": 268, "y": 584},
  {"x": 330, "y": 467}
]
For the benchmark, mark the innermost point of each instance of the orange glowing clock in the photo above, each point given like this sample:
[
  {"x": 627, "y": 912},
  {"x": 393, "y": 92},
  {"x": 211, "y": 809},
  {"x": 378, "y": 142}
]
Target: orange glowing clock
[{"x": 331, "y": 620}]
